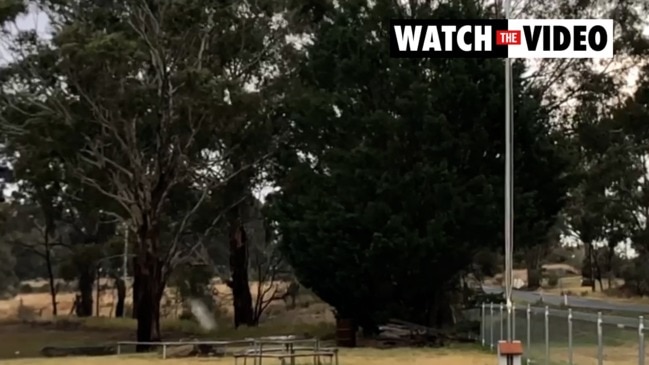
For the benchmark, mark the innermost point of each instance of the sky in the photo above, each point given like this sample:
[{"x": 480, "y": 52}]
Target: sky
[{"x": 38, "y": 20}]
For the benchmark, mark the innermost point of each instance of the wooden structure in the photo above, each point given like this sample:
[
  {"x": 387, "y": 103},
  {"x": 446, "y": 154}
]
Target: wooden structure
[
  {"x": 331, "y": 354},
  {"x": 287, "y": 349},
  {"x": 510, "y": 353}
]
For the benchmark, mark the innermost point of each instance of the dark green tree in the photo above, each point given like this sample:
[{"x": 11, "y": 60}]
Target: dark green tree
[{"x": 394, "y": 177}]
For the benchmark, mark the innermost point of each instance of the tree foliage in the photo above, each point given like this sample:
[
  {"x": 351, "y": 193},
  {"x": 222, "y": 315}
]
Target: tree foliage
[
  {"x": 394, "y": 178},
  {"x": 134, "y": 99}
]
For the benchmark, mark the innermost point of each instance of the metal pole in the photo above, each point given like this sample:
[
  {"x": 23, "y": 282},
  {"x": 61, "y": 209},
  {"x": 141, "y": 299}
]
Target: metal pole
[
  {"x": 509, "y": 185},
  {"x": 641, "y": 352},
  {"x": 501, "y": 320},
  {"x": 529, "y": 328},
  {"x": 547, "y": 335},
  {"x": 513, "y": 321},
  {"x": 600, "y": 345},
  {"x": 491, "y": 326},
  {"x": 570, "y": 336},
  {"x": 483, "y": 324}
]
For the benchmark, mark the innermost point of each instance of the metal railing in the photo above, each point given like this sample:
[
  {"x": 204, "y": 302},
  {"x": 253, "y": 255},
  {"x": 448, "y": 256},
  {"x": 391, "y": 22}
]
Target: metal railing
[
  {"x": 554, "y": 336},
  {"x": 164, "y": 345}
]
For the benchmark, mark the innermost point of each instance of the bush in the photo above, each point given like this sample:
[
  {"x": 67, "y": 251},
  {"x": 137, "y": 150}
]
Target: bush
[
  {"x": 636, "y": 276},
  {"x": 45, "y": 288},
  {"x": 553, "y": 280},
  {"x": 25, "y": 289},
  {"x": 533, "y": 278}
]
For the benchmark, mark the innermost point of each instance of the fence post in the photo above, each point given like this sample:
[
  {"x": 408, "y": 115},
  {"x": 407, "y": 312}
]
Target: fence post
[
  {"x": 547, "y": 335},
  {"x": 641, "y": 353},
  {"x": 600, "y": 345},
  {"x": 483, "y": 323},
  {"x": 513, "y": 321},
  {"x": 570, "y": 336},
  {"x": 529, "y": 329},
  {"x": 501, "y": 322},
  {"x": 491, "y": 326}
]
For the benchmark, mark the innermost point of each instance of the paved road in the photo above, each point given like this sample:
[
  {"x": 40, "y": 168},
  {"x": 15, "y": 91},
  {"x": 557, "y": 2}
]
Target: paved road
[{"x": 573, "y": 301}]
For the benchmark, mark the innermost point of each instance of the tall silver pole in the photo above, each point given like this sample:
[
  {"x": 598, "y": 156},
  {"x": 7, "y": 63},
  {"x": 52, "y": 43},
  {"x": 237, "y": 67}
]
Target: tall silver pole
[{"x": 509, "y": 185}]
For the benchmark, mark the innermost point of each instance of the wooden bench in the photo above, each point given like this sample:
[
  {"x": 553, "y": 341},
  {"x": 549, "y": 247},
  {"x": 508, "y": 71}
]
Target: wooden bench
[{"x": 257, "y": 356}]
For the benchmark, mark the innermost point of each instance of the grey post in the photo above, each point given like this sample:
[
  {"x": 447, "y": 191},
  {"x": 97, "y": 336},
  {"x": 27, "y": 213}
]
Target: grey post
[
  {"x": 502, "y": 319},
  {"x": 529, "y": 328},
  {"x": 570, "y": 336},
  {"x": 491, "y": 326},
  {"x": 600, "y": 345},
  {"x": 641, "y": 354},
  {"x": 164, "y": 351},
  {"x": 483, "y": 322},
  {"x": 513, "y": 321},
  {"x": 547, "y": 335}
]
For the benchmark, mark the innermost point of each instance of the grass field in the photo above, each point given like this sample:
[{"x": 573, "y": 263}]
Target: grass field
[
  {"x": 458, "y": 356},
  {"x": 21, "y": 344}
]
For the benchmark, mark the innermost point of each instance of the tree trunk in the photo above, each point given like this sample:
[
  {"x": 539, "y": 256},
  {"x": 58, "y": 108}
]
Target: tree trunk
[
  {"x": 148, "y": 275},
  {"x": 85, "y": 284},
  {"x": 588, "y": 271},
  {"x": 136, "y": 290},
  {"x": 599, "y": 276},
  {"x": 609, "y": 265},
  {"x": 121, "y": 297},
  {"x": 242, "y": 299},
  {"x": 50, "y": 272},
  {"x": 595, "y": 273},
  {"x": 533, "y": 266}
]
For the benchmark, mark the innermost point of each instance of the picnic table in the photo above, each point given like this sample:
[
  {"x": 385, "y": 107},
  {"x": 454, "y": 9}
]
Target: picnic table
[
  {"x": 286, "y": 348},
  {"x": 288, "y": 343}
]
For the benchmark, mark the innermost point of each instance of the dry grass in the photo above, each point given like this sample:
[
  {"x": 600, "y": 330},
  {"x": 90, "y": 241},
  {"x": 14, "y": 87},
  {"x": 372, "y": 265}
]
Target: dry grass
[
  {"x": 38, "y": 305},
  {"x": 572, "y": 286},
  {"x": 21, "y": 344},
  {"x": 623, "y": 355},
  {"x": 461, "y": 356}
]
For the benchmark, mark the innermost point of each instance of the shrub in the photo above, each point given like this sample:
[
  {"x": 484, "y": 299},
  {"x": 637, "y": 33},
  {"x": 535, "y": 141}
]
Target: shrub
[
  {"x": 25, "y": 289},
  {"x": 553, "y": 280},
  {"x": 636, "y": 276},
  {"x": 533, "y": 278}
]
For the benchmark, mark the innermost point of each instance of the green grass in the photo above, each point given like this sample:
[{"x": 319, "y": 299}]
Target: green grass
[{"x": 19, "y": 340}]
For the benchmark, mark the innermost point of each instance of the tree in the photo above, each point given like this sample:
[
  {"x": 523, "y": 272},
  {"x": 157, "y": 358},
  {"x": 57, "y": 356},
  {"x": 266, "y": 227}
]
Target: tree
[
  {"x": 564, "y": 81},
  {"x": 599, "y": 210},
  {"x": 140, "y": 97},
  {"x": 632, "y": 188},
  {"x": 394, "y": 179},
  {"x": 34, "y": 231},
  {"x": 8, "y": 277}
]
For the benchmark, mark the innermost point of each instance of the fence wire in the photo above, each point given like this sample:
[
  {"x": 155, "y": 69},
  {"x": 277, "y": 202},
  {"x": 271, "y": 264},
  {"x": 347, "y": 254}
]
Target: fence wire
[{"x": 563, "y": 336}]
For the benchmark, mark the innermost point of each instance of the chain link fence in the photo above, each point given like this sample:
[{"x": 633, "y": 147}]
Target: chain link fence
[{"x": 558, "y": 336}]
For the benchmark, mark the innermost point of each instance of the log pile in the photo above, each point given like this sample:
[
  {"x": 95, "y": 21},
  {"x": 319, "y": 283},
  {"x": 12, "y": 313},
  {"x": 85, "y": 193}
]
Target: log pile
[
  {"x": 195, "y": 350},
  {"x": 398, "y": 333},
  {"x": 51, "y": 351}
]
